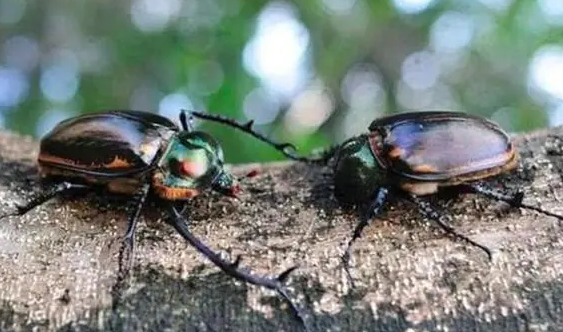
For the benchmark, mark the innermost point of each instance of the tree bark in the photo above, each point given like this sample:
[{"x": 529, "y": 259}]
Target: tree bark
[{"x": 58, "y": 262}]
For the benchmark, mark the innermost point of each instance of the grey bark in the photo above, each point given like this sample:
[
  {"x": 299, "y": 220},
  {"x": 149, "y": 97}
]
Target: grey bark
[{"x": 58, "y": 262}]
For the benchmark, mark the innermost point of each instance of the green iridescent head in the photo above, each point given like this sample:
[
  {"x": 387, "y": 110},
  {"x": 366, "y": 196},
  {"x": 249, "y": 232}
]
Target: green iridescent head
[
  {"x": 193, "y": 162},
  {"x": 357, "y": 173}
]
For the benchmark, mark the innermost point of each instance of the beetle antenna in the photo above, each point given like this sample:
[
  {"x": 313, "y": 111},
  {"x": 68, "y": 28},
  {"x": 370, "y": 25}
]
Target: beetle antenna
[
  {"x": 186, "y": 120},
  {"x": 513, "y": 200},
  {"x": 233, "y": 268},
  {"x": 287, "y": 149}
]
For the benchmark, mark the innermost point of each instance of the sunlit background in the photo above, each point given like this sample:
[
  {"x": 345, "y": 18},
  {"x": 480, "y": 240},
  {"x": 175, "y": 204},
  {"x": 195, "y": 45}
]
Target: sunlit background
[{"x": 311, "y": 72}]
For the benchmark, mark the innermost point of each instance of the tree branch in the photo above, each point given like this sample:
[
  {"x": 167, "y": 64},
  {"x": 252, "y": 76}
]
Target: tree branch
[{"x": 58, "y": 262}]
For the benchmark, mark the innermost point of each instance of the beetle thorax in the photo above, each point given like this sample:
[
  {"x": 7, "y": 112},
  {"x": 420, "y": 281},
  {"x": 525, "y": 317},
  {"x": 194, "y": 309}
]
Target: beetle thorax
[
  {"x": 357, "y": 173},
  {"x": 191, "y": 163}
]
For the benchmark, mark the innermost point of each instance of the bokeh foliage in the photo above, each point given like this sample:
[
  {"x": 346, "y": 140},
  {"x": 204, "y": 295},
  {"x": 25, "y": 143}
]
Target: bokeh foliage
[{"x": 199, "y": 52}]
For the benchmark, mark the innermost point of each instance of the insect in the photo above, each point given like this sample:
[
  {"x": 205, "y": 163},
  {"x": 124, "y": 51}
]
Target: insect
[
  {"x": 142, "y": 154},
  {"x": 412, "y": 155}
]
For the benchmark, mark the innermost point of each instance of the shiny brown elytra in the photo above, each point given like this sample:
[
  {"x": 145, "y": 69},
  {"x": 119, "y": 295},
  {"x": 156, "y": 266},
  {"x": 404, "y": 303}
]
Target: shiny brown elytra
[
  {"x": 412, "y": 155},
  {"x": 421, "y": 152}
]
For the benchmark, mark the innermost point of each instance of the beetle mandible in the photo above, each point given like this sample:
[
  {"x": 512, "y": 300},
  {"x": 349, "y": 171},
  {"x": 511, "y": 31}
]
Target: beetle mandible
[
  {"x": 411, "y": 155},
  {"x": 140, "y": 154}
]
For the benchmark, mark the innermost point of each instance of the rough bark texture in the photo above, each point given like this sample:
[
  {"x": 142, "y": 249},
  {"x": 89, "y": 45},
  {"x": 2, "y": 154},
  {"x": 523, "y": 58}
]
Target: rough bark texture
[{"x": 58, "y": 262}]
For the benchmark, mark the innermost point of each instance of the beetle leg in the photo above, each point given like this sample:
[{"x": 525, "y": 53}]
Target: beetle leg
[
  {"x": 44, "y": 196},
  {"x": 127, "y": 249},
  {"x": 375, "y": 208},
  {"x": 233, "y": 268},
  {"x": 141, "y": 196},
  {"x": 429, "y": 212},
  {"x": 282, "y": 147},
  {"x": 515, "y": 200},
  {"x": 186, "y": 121}
]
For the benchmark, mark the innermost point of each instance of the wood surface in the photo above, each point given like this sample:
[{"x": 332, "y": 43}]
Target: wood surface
[{"x": 58, "y": 262}]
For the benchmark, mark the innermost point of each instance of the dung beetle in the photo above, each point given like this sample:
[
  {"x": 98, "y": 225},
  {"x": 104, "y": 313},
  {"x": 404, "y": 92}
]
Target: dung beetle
[
  {"x": 140, "y": 154},
  {"x": 411, "y": 155}
]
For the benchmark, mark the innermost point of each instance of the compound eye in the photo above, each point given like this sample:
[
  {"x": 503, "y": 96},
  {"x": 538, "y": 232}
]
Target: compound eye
[{"x": 192, "y": 168}]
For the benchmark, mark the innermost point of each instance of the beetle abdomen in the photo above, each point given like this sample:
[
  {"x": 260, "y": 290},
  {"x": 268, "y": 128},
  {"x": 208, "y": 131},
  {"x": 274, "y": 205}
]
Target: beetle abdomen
[{"x": 444, "y": 147}]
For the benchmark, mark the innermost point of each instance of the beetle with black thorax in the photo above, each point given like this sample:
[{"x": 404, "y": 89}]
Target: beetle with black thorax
[{"x": 412, "y": 155}]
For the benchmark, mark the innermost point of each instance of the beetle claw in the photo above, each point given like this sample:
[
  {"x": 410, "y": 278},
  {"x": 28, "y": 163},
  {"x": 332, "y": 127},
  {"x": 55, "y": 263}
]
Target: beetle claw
[
  {"x": 282, "y": 278},
  {"x": 236, "y": 263},
  {"x": 517, "y": 199}
]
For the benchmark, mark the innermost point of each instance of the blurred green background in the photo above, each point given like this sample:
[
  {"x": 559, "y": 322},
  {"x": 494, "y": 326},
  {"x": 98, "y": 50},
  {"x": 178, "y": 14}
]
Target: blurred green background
[{"x": 312, "y": 72}]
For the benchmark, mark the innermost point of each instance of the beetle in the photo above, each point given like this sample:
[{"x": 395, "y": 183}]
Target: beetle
[
  {"x": 139, "y": 154},
  {"x": 412, "y": 155}
]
